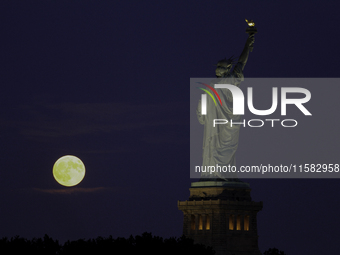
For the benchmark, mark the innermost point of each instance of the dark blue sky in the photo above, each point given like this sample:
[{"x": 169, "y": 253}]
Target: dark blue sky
[{"x": 108, "y": 82}]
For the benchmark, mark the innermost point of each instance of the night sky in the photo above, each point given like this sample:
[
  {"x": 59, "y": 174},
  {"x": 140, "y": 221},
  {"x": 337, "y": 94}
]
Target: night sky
[{"x": 108, "y": 82}]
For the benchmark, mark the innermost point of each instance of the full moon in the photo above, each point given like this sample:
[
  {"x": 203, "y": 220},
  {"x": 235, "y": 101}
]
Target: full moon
[{"x": 68, "y": 171}]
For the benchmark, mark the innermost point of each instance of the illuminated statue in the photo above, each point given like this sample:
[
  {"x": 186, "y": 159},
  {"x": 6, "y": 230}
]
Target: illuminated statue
[{"x": 220, "y": 142}]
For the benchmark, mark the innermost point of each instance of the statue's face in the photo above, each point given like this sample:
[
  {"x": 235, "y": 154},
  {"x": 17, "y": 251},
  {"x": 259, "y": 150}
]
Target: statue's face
[{"x": 222, "y": 69}]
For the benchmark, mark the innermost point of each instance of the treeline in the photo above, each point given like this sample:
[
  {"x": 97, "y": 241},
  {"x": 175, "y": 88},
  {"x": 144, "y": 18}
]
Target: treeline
[{"x": 145, "y": 243}]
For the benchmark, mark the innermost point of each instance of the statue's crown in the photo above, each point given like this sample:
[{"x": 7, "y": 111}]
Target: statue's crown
[{"x": 228, "y": 62}]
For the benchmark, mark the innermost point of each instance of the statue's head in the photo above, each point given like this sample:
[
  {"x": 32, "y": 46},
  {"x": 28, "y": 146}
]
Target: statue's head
[{"x": 223, "y": 67}]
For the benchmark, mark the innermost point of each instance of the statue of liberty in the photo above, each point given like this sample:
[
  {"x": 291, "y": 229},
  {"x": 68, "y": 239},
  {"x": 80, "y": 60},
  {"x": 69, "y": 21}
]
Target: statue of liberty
[{"x": 220, "y": 142}]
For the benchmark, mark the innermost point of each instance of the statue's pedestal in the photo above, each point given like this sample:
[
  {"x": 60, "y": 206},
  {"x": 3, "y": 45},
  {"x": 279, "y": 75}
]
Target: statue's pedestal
[
  {"x": 232, "y": 191},
  {"x": 222, "y": 215},
  {"x": 214, "y": 183}
]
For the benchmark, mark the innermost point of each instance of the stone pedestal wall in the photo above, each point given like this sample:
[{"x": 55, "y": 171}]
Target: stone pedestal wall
[{"x": 222, "y": 217}]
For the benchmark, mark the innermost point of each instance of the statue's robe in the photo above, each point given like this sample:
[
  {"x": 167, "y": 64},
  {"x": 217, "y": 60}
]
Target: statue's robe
[{"x": 220, "y": 142}]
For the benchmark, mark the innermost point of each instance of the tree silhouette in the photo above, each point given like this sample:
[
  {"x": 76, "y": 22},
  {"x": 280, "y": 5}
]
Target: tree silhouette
[
  {"x": 274, "y": 251},
  {"x": 140, "y": 244}
]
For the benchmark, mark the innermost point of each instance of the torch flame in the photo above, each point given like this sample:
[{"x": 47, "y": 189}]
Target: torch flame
[{"x": 250, "y": 23}]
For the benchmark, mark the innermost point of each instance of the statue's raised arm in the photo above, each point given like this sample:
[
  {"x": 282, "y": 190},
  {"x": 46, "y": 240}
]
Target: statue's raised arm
[
  {"x": 242, "y": 60},
  {"x": 251, "y": 31}
]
